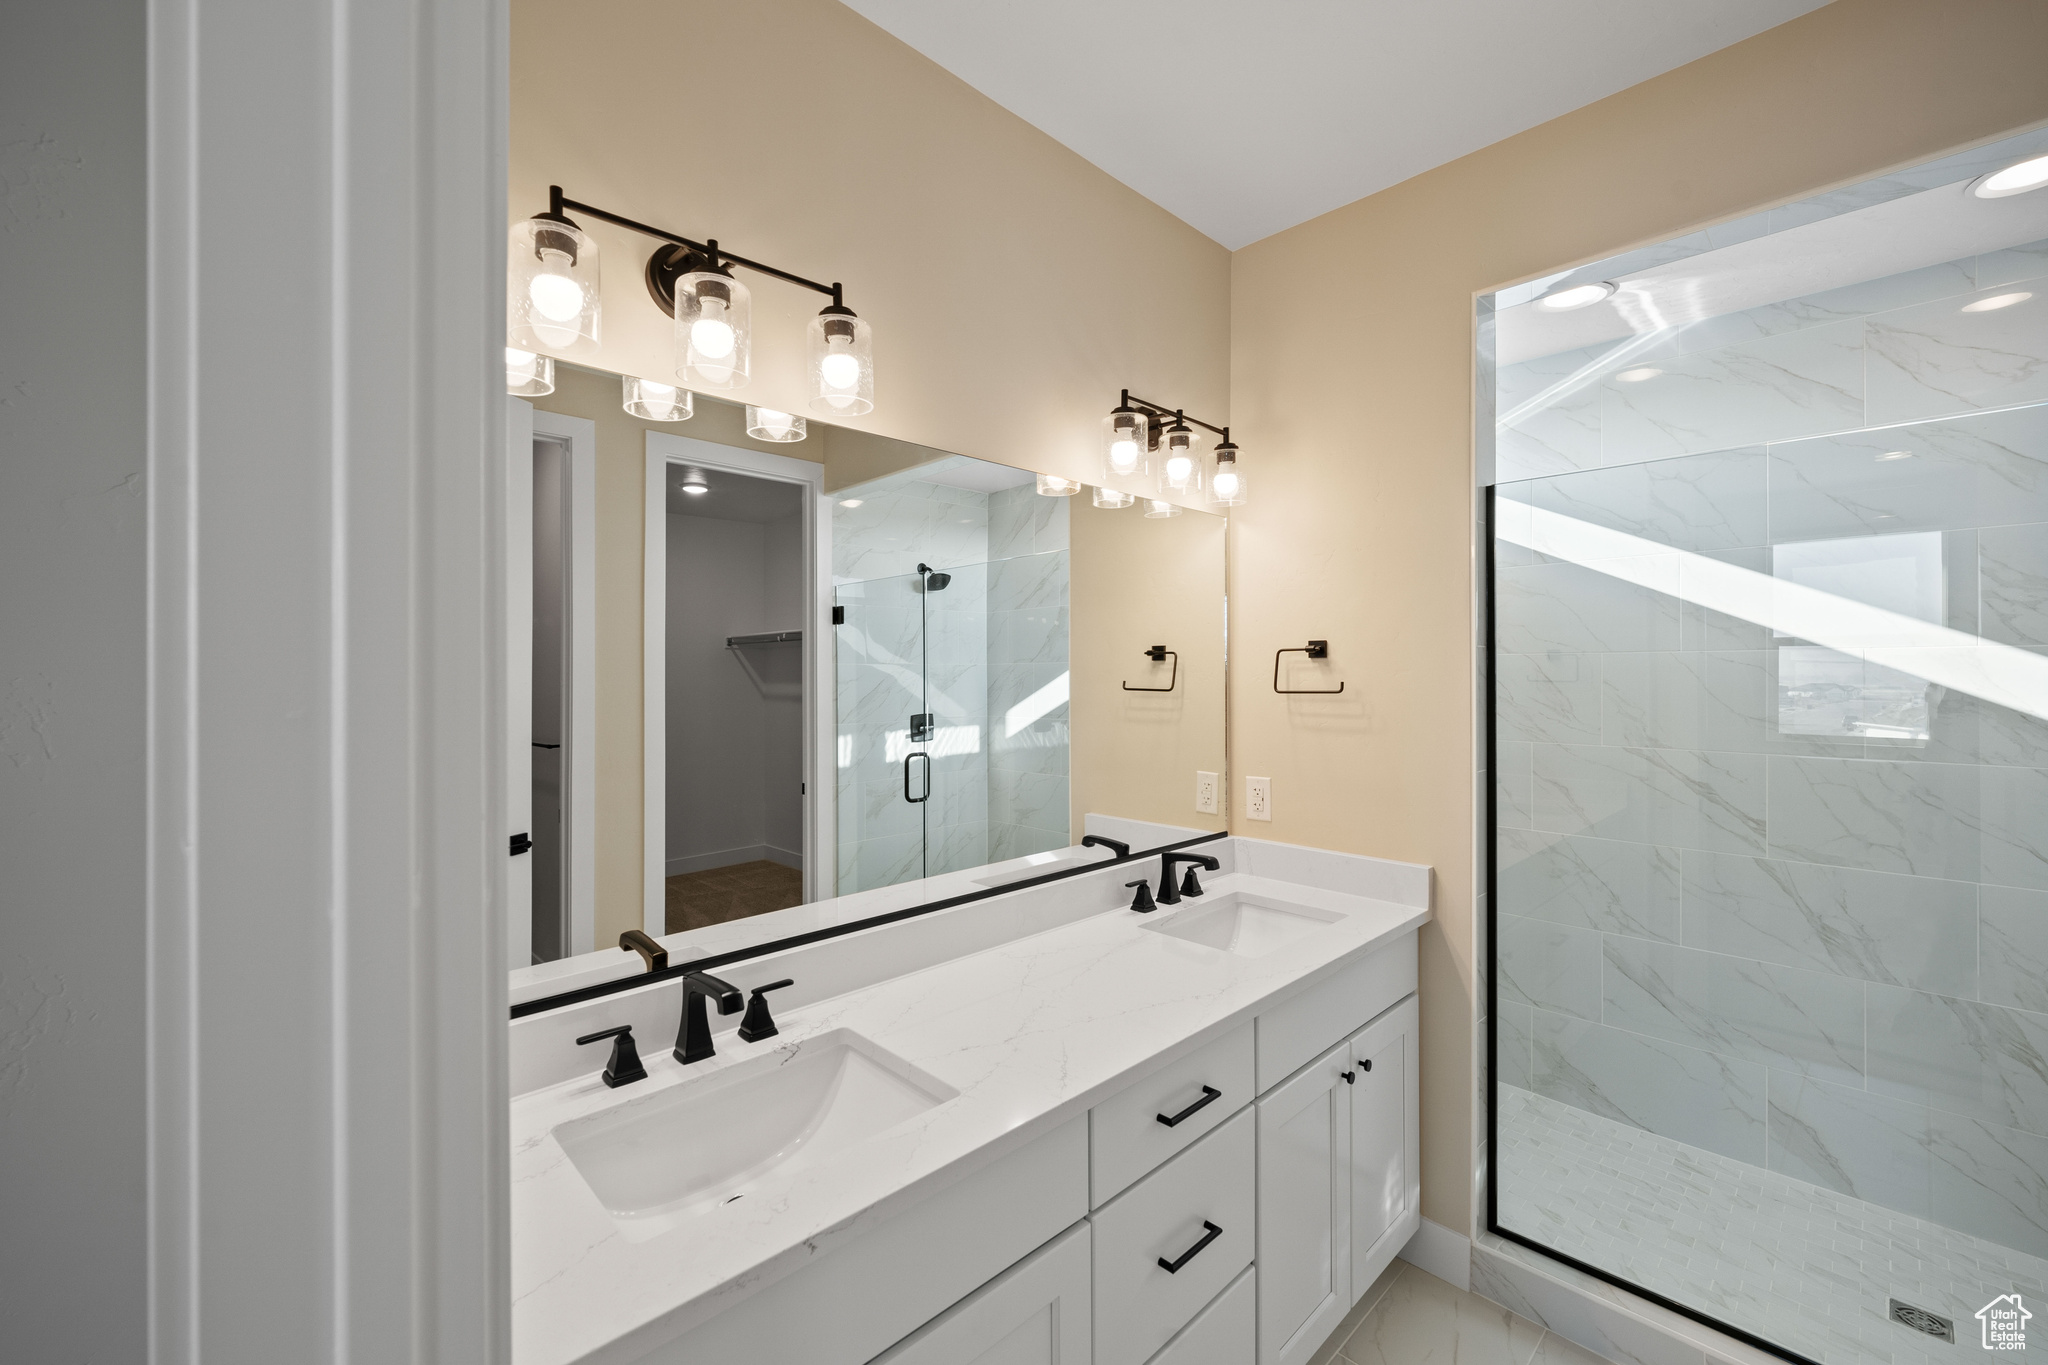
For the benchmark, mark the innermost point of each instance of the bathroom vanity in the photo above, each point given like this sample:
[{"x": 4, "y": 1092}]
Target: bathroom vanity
[{"x": 1039, "y": 1127}]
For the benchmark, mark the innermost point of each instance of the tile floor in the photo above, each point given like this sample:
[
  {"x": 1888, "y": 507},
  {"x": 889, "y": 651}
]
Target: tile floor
[
  {"x": 1410, "y": 1317},
  {"x": 1788, "y": 1260},
  {"x": 696, "y": 899}
]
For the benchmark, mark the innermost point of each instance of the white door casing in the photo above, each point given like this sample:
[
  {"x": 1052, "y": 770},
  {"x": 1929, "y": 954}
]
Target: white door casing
[{"x": 516, "y": 560}]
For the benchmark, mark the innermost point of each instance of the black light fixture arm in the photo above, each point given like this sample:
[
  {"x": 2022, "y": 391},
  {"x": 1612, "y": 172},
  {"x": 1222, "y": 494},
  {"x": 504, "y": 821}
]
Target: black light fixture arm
[
  {"x": 558, "y": 203},
  {"x": 1160, "y": 411}
]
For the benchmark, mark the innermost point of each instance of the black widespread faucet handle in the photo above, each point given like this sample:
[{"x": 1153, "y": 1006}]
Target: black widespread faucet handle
[
  {"x": 1142, "y": 902},
  {"x": 624, "y": 1068},
  {"x": 759, "y": 1023},
  {"x": 1190, "y": 885}
]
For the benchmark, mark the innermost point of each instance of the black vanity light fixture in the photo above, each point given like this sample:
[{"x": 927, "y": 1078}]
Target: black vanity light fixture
[
  {"x": 1137, "y": 432},
  {"x": 552, "y": 305}
]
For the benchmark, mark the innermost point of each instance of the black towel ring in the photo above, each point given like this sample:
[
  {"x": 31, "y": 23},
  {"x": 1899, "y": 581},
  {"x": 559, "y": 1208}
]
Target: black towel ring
[
  {"x": 1159, "y": 654},
  {"x": 1316, "y": 649}
]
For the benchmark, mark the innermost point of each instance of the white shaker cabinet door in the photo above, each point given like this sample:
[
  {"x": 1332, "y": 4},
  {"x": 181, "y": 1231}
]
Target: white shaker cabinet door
[
  {"x": 1304, "y": 1252},
  {"x": 1034, "y": 1313},
  {"x": 1386, "y": 1176}
]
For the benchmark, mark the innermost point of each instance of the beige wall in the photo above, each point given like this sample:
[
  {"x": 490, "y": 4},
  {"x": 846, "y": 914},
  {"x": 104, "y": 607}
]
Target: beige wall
[
  {"x": 1351, "y": 389},
  {"x": 1139, "y": 582}
]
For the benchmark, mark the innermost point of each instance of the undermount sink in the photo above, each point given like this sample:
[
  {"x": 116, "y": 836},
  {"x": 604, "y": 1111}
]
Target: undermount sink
[
  {"x": 1038, "y": 864},
  {"x": 1244, "y": 925},
  {"x": 656, "y": 1161}
]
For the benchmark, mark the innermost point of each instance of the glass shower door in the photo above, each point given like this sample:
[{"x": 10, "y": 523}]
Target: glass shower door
[{"x": 884, "y": 756}]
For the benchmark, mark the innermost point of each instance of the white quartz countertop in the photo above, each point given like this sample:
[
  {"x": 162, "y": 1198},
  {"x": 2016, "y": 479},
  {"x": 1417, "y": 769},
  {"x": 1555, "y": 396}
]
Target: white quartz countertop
[{"x": 1030, "y": 1033}]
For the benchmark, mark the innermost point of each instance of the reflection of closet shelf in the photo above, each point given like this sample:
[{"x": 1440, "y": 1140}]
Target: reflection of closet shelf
[{"x": 773, "y": 637}]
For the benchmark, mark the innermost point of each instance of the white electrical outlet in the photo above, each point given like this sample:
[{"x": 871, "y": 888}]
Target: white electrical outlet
[
  {"x": 1258, "y": 798},
  {"x": 1205, "y": 793}
]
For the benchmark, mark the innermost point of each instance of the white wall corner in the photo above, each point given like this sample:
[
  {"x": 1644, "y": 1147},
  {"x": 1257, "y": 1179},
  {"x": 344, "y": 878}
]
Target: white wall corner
[{"x": 1443, "y": 1253}]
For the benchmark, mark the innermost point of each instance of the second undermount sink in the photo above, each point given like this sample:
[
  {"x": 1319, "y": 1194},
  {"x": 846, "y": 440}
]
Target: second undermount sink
[
  {"x": 656, "y": 1161},
  {"x": 1248, "y": 926}
]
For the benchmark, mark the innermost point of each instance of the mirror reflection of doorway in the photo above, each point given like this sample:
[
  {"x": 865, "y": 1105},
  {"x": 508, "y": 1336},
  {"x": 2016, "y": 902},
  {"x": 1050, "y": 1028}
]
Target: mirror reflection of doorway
[{"x": 736, "y": 611}]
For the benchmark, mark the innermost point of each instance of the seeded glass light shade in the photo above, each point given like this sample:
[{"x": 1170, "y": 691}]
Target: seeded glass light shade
[
  {"x": 528, "y": 375},
  {"x": 842, "y": 364},
  {"x": 767, "y": 424},
  {"x": 655, "y": 401},
  {"x": 1053, "y": 486},
  {"x": 1110, "y": 498},
  {"x": 1226, "y": 481},
  {"x": 1158, "y": 509},
  {"x": 1180, "y": 465},
  {"x": 1124, "y": 437},
  {"x": 714, "y": 331},
  {"x": 551, "y": 298}
]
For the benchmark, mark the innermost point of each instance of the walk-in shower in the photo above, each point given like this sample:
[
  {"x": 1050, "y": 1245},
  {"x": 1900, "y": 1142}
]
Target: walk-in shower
[{"x": 1767, "y": 682}]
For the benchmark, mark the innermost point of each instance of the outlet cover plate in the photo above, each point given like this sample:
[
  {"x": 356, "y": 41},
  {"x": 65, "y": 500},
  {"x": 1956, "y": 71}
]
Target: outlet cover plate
[
  {"x": 1205, "y": 793},
  {"x": 1258, "y": 798}
]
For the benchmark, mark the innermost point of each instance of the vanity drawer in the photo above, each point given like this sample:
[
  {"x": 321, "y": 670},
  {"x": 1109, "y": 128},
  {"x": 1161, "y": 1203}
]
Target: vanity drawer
[
  {"x": 1224, "y": 1333},
  {"x": 1294, "y": 1032},
  {"x": 1126, "y": 1136},
  {"x": 1139, "y": 1303}
]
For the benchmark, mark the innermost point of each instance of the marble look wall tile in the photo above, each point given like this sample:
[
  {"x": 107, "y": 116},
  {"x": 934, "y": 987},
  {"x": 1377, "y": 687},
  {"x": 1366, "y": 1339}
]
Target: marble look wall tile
[
  {"x": 1554, "y": 697},
  {"x": 1029, "y": 581},
  {"x": 1020, "y": 522},
  {"x": 1701, "y": 628},
  {"x": 1685, "y": 700},
  {"x": 1514, "y": 1043},
  {"x": 2012, "y": 568},
  {"x": 1851, "y": 1141},
  {"x": 888, "y": 860},
  {"x": 1963, "y": 1056},
  {"x": 1551, "y": 965},
  {"x": 1022, "y": 637},
  {"x": 955, "y": 848},
  {"x": 1547, "y": 415},
  {"x": 1514, "y": 800},
  {"x": 2028, "y": 261},
  {"x": 1919, "y": 818},
  {"x": 1709, "y": 501},
  {"x": 1651, "y": 796},
  {"x": 1692, "y": 1096},
  {"x": 2015, "y": 826},
  {"x": 1799, "y": 384},
  {"x": 1990, "y": 1180},
  {"x": 1036, "y": 800},
  {"x": 1015, "y": 841},
  {"x": 1984, "y": 469},
  {"x": 1936, "y": 359},
  {"x": 1874, "y": 926},
  {"x": 1604, "y": 884},
  {"x": 1809, "y": 1022},
  {"x": 2012, "y": 947},
  {"x": 1570, "y": 608},
  {"x": 896, "y": 527}
]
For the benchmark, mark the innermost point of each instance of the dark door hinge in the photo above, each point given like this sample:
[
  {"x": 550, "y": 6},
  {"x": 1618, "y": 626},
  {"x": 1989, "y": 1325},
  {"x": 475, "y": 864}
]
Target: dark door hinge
[
  {"x": 839, "y": 616},
  {"x": 521, "y": 844}
]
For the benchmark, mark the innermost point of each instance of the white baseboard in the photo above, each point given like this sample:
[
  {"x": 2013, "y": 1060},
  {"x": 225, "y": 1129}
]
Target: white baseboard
[
  {"x": 783, "y": 857},
  {"x": 724, "y": 857},
  {"x": 1443, "y": 1253}
]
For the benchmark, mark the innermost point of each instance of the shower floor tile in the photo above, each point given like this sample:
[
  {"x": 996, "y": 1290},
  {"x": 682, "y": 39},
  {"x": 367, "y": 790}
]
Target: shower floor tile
[{"x": 1788, "y": 1261}]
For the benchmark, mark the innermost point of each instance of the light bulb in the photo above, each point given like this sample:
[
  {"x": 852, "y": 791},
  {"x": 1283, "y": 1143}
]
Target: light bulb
[
  {"x": 519, "y": 365},
  {"x": 1178, "y": 467},
  {"x": 1225, "y": 485},
  {"x": 840, "y": 369},
  {"x": 710, "y": 335},
  {"x": 556, "y": 297},
  {"x": 696, "y": 490},
  {"x": 775, "y": 423},
  {"x": 1123, "y": 456},
  {"x": 1578, "y": 296},
  {"x": 2030, "y": 174},
  {"x": 654, "y": 389}
]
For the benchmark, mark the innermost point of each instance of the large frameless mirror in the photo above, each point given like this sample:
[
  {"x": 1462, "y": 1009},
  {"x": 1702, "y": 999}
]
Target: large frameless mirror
[{"x": 773, "y": 664}]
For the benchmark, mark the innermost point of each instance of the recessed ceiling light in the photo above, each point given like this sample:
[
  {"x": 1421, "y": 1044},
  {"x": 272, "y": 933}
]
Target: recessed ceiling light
[
  {"x": 1997, "y": 301},
  {"x": 849, "y": 502},
  {"x": 693, "y": 484},
  {"x": 2017, "y": 178},
  {"x": 1896, "y": 455},
  {"x": 1578, "y": 296},
  {"x": 1637, "y": 376}
]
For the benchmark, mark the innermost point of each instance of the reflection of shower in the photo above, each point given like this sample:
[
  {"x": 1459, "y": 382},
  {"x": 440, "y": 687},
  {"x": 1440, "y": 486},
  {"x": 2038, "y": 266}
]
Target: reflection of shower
[
  {"x": 934, "y": 581},
  {"x": 923, "y": 725}
]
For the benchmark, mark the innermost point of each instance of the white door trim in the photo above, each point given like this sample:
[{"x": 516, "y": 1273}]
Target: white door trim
[
  {"x": 579, "y": 436},
  {"x": 820, "y": 722},
  {"x": 326, "y": 1062}
]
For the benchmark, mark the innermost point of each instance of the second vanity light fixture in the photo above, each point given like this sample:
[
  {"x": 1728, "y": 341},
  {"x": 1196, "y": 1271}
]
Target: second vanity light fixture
[
  {"x": 1136, "y": 432},
  {"x": 553, "y": 305}
]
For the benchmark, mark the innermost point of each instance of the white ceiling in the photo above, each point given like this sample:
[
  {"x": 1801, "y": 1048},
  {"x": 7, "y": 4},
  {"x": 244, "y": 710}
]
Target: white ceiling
[{"x": 1244, "y": 119}]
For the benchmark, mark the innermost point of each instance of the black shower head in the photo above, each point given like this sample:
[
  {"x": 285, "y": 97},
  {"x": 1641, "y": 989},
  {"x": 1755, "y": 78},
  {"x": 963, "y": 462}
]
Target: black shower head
[{"x": 934, "y": 581}]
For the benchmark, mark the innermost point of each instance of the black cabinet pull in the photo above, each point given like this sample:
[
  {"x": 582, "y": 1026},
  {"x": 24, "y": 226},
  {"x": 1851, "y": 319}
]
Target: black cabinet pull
[
  {"x": 1350, "y": 1077},
  {"x": 1365, "y": 1065},
  {"x": 1173, "y": 1267},
  {"x": 1210, "y": 1094}
]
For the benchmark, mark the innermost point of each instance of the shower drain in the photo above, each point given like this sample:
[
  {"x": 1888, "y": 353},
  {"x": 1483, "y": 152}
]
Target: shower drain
[{"x": 1920, "y": 1320}]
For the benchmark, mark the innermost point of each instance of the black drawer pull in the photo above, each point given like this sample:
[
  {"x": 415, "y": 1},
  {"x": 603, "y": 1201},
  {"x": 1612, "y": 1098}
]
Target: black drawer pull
[
  {"x": 1365, "y": 1065},
  {"x": 1210, "y": 1094},
  {"x": 1173, "y": 1267}
]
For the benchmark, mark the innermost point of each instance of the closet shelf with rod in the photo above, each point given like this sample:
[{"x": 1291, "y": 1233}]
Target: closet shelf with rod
[{"x": 772, "y": 637}]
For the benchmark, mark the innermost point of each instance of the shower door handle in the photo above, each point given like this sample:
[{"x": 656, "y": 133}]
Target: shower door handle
[{"x": 924, "y": 795}]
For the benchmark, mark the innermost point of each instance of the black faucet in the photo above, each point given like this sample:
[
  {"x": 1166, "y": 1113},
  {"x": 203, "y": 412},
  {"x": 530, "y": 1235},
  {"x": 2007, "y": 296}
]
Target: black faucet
[
  {"x": 1142, "y": 902},
  {"x": 624, "y": 1067},
  {"x": 1116, "y": 846},
  {"x": 759, "y": 1023},
  {"x": 1169, "y": 894},
  {"x": 693, "y": 1039}
]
